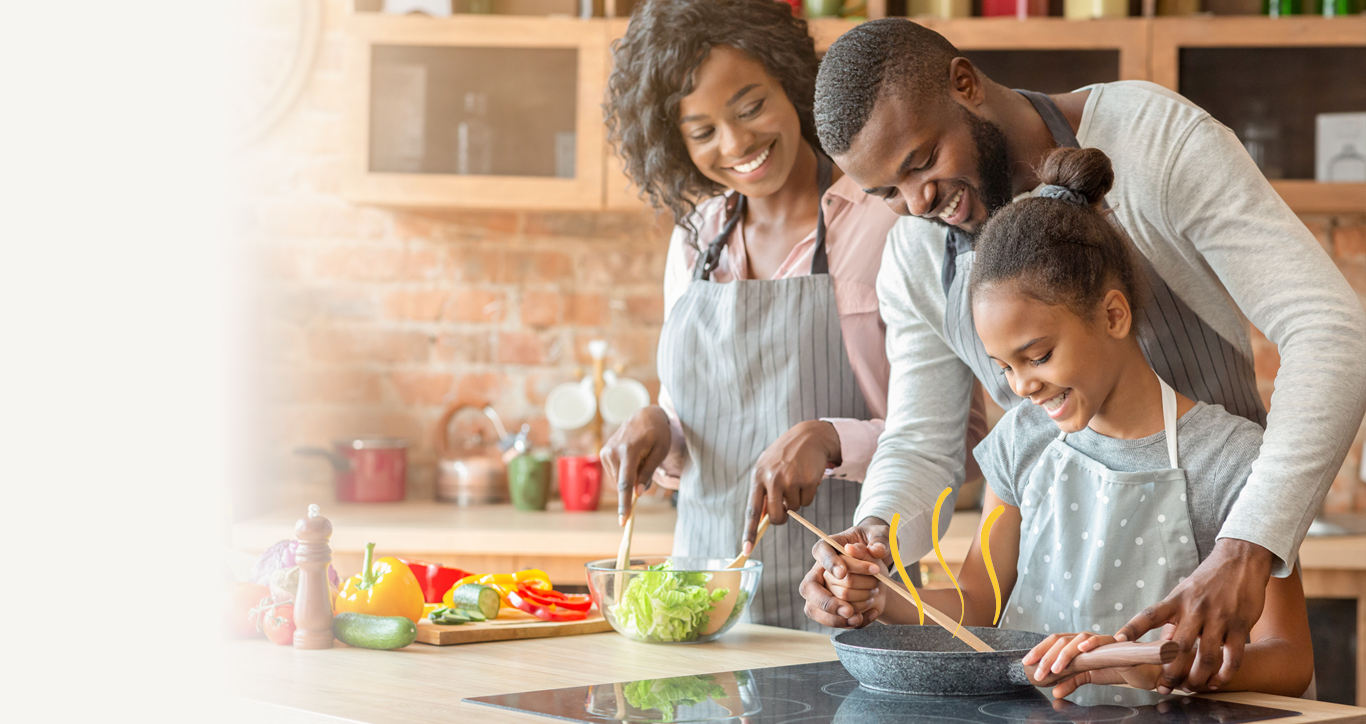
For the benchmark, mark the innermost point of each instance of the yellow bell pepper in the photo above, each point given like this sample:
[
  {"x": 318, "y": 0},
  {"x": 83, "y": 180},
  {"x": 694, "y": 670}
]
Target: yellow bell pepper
[{"x": 384, "y": 587}]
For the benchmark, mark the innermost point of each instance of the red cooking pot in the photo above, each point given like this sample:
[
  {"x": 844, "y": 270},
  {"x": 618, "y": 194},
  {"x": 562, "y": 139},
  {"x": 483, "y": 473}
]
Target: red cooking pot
[{"x": 367, "y": 469}]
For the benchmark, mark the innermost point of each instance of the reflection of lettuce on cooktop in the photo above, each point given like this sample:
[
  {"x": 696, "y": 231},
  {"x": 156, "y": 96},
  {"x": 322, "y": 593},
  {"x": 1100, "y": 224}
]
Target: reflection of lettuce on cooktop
[
  {"x": 665, "y": 694},
  {"x": 661, "y": 604}
]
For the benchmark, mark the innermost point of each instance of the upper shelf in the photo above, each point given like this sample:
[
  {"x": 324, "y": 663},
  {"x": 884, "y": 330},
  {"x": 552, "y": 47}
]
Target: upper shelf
[{"x": 568, "y": 165}]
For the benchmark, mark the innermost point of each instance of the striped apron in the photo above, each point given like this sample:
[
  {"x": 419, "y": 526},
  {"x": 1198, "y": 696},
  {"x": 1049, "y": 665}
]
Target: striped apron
[
  {"x": 743, "y": 363},
  {"x": 1184, "y": 351}
]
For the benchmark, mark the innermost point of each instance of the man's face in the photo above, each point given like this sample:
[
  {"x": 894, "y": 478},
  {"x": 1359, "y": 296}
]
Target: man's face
[{"x": 936, "y": 160}]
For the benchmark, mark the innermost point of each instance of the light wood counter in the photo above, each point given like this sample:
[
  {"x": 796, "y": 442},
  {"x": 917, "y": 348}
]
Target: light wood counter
[{"x": 426, "y": 683}]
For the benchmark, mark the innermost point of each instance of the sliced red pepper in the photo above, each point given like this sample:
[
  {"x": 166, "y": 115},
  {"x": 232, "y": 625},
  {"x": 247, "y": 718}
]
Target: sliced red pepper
[
  {"x": 547, "y": 597},
  {"x": 545, "y": 613},
  {"x": 434, "y": 578}
]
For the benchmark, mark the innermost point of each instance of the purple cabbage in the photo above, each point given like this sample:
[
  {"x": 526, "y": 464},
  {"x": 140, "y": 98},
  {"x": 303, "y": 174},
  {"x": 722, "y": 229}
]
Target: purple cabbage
[{"x": 279, "y": 557}]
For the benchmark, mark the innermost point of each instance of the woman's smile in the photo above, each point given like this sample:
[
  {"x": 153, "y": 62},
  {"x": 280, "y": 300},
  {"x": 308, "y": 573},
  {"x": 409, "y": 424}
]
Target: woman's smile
[{"x": 755, "y": 165}]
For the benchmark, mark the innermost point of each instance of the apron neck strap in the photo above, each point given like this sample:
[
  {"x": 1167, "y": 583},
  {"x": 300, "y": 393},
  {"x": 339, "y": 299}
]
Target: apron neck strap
[
  {"x": 1169, "y": 421},
  {"x": 735, "y": 213}
]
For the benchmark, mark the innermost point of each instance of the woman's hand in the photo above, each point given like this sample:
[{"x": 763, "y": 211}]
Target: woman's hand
[
  {"x": 1054, "y": 654},
  {"x": 788, "y": 473},
  {"x": 633, "y": 452}
]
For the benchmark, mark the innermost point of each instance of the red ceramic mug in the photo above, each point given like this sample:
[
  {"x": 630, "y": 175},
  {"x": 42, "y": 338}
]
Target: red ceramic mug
[{"x": 580, "y": 482}]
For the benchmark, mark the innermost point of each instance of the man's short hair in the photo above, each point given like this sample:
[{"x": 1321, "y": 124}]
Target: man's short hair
[{"x": 892, "y": 57}]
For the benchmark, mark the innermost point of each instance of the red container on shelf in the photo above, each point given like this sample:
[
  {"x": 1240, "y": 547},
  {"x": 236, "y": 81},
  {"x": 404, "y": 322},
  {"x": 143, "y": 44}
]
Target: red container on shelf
[
  {"x": 580, "y": 482},
  {"x": 1018, "y": 8},
  {"x": 367, "y": 469}
]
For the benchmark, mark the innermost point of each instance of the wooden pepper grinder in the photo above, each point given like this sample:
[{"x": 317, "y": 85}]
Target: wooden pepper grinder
[{"x": 313, "y": 602}]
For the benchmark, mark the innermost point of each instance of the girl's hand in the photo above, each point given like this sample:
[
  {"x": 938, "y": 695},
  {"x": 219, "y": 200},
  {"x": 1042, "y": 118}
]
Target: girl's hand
[
  {"x": 859, "y": 593},
  {"x": 850, "y": 602},
  {"x": 1054, "y": 654}
]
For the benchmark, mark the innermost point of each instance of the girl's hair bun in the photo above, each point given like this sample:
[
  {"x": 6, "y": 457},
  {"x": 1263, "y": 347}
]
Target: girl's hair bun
[{"x": 1086, "y": 171}]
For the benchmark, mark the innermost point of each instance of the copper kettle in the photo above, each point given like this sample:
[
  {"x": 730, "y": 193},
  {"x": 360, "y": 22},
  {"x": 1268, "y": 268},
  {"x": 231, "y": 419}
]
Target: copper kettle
[{"x": 474, "y": 473}]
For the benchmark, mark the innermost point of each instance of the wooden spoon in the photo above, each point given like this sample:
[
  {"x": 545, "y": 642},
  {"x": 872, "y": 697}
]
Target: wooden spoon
[
  {"x": 948, "y": 623},
  {"x": 730, "y": 580},
  {"x": 624, "y": 552}
]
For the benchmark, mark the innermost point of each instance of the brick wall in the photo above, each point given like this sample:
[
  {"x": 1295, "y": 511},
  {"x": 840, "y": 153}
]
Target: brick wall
[{"x": 366, "y": 321}]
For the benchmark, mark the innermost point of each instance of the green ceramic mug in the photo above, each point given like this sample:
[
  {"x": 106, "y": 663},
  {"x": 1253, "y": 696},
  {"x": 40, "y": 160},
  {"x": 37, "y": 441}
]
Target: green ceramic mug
[{"x": 529, "y": 480}]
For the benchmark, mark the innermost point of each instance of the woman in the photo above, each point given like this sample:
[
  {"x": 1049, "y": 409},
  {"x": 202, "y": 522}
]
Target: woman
[{"x": 772, "y": 358}]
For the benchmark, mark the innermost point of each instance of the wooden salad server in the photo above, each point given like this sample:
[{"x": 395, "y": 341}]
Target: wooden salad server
[{"x": 730, "y": 580}]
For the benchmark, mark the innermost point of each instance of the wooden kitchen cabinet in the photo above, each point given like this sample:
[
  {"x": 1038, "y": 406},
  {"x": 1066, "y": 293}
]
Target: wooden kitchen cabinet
[
  {"x": 1266, "y": 79},
  {"x": 475, "y": 111},
  {"x": 535, "y": 82}
]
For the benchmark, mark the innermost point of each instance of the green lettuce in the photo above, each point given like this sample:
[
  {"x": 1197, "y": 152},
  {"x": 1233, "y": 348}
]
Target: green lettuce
[
  {"x": 660, "y": 604},
  {"x": 664, "y": 694}
]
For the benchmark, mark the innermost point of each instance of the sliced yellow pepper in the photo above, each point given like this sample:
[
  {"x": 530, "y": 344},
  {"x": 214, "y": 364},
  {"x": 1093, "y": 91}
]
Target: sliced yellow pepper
[
  {"x": 384, "y": 587},
  {"x": 504, "y": 583}
]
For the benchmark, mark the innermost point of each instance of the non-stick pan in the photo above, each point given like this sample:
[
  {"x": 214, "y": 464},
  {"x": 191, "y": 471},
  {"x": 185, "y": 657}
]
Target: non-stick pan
[{"x": 927, "y": 660}]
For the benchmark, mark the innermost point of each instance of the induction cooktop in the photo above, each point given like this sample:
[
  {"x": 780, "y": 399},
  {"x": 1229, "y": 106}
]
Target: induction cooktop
[{"x": 824, "y": 692}]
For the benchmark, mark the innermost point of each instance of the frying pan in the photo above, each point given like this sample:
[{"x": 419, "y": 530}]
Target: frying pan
[{"x": 928, "y": 660}]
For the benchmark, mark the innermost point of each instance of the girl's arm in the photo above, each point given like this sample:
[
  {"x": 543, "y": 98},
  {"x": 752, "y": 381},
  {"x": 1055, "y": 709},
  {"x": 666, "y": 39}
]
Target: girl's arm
[
  {"x": 973, "y": 577},
  {"x": 1278, "y": 660},
  {"x": 1280, "y": 657}
]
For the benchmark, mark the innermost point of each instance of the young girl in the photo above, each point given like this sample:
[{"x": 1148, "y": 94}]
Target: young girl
[{"x": 1105, "y": 518}]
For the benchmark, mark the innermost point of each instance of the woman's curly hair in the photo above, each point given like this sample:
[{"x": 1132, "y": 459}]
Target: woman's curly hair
[{"x": 653, "y": 67}]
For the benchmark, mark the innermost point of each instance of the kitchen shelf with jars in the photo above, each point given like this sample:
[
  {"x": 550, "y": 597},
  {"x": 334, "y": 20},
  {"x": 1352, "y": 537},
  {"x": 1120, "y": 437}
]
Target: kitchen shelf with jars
[
  {"x": 504, "y": 110},
  {"x": 1292, "y": 88}
]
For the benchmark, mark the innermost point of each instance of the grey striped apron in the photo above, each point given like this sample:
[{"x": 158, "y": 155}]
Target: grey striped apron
[
  {"x": 743, "y": 363},
  {"x": 1184, "y": 351}
]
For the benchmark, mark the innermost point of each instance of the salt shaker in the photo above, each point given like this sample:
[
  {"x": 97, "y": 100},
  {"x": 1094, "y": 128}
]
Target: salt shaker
[{"x": 313, "y": 601}]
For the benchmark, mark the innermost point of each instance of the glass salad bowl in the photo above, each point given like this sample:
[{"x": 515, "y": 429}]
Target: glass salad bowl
[{"x": 673, "y": 600}]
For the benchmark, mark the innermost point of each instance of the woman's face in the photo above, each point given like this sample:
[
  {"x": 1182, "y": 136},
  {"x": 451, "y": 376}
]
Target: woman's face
[
  {"x": 739, "y": 126},
  {"x": 1050, "y": 356}
]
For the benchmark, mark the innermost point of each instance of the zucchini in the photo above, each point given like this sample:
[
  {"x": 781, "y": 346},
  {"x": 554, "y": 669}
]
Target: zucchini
[
  {"x": 477, "y": 597},
  {"x": 374, "y": 632}
]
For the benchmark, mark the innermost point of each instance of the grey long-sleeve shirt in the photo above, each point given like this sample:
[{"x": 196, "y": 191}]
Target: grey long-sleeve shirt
[{"x": 1197, "y": 207}]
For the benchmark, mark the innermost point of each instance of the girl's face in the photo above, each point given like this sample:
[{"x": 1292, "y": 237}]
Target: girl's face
[
  {"x": 739, "y": 126},
  {"x": 1052, "y": 357}
]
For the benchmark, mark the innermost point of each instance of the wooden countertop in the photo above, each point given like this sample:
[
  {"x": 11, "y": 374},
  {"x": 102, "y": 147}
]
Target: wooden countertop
[
  {"x": 426, "y": 683},
  {"x": 502, "y": 530}
]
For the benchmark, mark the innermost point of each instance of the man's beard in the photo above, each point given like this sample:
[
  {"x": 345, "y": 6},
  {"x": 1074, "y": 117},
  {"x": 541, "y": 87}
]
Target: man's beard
[{"x": 993, "y": 163}]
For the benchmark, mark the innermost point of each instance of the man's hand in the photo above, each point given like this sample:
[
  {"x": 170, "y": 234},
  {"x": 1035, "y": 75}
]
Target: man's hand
[
  {"x": 788, "y": 473},
  {"x": 867, "y": 541},
  {"x": 1216, "y": 606},
  {"x": 633, "y": 452}
]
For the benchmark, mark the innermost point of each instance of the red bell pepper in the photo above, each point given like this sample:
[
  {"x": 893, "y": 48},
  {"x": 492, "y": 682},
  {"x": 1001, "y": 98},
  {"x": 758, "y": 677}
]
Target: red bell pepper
[
  {"x": 545, "y": 613},
  {"x": 434, "y": 578},
  {"x": 547, "y": 598}
]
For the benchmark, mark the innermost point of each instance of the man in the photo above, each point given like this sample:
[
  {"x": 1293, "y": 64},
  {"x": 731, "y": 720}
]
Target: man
[{"x": 915, "y": 123}]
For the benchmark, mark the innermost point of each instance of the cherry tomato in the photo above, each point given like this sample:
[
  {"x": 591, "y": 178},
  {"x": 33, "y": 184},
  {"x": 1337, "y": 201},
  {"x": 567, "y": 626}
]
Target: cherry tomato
[{"x": 279, "y": 625}]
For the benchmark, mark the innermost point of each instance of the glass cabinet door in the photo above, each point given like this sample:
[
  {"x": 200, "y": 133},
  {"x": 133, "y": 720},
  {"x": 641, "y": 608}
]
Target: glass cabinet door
[
  {"x": 489, "y": 112},
  {"x": 1273, "y": 82}
]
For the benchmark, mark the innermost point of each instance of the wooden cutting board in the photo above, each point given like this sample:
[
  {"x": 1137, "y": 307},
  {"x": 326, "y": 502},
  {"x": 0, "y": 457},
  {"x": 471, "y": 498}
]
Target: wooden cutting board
[{"x": 510, "y": 624}]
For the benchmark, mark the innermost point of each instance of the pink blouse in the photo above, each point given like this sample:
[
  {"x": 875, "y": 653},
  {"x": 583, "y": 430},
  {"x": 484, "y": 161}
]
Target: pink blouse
[{"x": 856, "y": 230}]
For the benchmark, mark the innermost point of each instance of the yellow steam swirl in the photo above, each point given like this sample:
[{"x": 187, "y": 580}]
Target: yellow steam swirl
[
  {"x": 896, "y": 556},
  {"x": 934, "y": 536},
  {"x": 986, "y": 557}
]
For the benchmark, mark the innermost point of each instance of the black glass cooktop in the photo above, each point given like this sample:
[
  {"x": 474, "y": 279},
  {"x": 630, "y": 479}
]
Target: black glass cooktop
[{"x": 825, "y": 692}]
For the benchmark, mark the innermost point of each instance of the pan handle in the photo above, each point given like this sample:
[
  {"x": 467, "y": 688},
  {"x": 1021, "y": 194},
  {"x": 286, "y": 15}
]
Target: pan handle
[{"x": 1122, "y": 653}]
